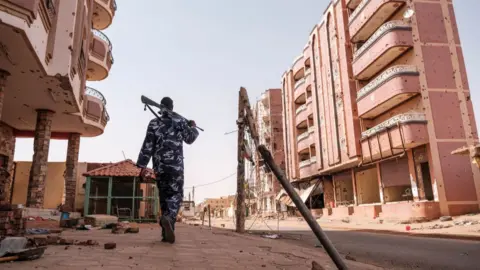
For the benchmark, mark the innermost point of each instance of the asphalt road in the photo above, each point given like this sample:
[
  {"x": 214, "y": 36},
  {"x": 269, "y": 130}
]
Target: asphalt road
[{"x": 396, "y": 251}]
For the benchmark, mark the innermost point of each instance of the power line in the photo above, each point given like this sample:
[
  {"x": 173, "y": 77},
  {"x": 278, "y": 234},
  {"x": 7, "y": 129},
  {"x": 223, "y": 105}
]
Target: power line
[{"x": 211, "y": 183}]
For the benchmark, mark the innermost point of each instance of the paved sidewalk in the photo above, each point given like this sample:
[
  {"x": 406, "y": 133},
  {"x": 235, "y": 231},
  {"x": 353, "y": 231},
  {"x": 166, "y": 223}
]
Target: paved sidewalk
[{"x": 196, "y": 248}]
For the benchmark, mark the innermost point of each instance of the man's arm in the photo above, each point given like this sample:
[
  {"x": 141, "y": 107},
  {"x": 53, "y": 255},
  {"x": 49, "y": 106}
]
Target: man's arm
[
  {"x": 190, "y": 133},
  {"x": 148, "y": 146}
]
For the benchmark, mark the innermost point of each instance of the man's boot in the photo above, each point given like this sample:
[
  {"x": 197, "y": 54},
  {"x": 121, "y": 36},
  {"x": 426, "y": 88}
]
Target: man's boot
[{"x": 167, "y": 225}]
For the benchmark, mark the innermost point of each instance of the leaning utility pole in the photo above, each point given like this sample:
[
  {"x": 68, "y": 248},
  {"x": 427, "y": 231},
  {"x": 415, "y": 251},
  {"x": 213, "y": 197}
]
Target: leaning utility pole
[
  {"x": 245, "y": 119},
  {"x": 240, "y": 213}
]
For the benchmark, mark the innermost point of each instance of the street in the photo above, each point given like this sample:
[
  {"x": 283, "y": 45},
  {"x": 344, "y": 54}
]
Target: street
[
  {"x": 380, "y": 249},
  {"x": 396, "y": 251}
]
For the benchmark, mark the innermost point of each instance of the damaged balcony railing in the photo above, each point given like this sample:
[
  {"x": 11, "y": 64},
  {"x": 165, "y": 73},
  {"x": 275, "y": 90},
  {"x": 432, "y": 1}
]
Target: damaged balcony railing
[{"x": 96, "y": 94}]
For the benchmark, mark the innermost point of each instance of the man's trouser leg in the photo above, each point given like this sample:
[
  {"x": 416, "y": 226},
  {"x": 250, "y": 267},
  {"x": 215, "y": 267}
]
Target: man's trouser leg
[
  {"x": 171, "y": 187},
  {"x": 163, "y": 206}
]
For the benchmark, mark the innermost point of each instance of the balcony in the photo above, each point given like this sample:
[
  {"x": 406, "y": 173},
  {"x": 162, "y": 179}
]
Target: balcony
[
  {"x": 394, "y": 136},
  {"x": 309, "y": 107},
  {"x": 304, "y": 141},
  {"x": 308, "y": 79},
  {"x": 307, "y": 168},
  {"x": 100, "y": 59},
  {"x": 307, "y": 52},
  {"x": 369, "y": 15},
  {"x": 299, "y": 91},
  {"x": 301, "y": 114},
  {"x": 298, "y": 68},
  {"x": 394, "y": 86},
  {"x": 387, "y": 44},
  {"x": 103, "y": 13},
  {"x": 353, "y": 4},
  {"x": 95, "y": 115}
]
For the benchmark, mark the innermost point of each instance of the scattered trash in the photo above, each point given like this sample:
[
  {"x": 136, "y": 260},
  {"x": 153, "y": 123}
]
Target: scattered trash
[
  {"x": 110, "y": 246},
  {"x": 466, "y": 222},
  {"x": 84, "y": 227},
  {"x": 446, "y": 218},
  {"x": 271, "y": 236},
  {"x": 38, "y": 231},
  {"x": 346, "y": 220},
  {"x": 16, "y": 248}
]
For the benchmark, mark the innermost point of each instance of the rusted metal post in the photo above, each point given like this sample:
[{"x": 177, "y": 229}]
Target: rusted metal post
[
  {"x": 240, "y": 213},
  {"x": 307, "y": 215}
]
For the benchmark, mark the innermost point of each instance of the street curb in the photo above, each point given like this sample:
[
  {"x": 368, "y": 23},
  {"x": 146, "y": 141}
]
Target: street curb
[{"x": 425, "y": 235}]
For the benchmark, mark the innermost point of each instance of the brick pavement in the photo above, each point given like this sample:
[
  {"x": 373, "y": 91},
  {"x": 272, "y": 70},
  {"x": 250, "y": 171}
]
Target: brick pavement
[{"x": 196, "y": 248}]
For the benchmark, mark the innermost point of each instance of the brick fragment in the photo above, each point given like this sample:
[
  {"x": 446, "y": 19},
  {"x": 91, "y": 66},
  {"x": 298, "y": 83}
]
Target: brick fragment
[{"x": 110, "y": 245}]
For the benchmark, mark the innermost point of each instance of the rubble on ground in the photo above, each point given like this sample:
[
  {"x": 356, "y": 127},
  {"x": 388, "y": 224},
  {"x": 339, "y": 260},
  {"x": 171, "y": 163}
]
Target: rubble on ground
[
  {"x": 125, "y": 227},
  {"x": 466, "y": 222}
]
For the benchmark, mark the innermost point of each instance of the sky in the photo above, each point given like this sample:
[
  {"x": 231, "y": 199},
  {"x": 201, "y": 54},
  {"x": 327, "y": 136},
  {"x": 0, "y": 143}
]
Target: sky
[{"x": 199, "y": 53}]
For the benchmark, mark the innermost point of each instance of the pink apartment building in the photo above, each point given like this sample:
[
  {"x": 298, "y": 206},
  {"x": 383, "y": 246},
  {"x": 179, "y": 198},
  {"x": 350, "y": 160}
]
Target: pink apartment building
[
  {"x": 375, "y": 104},
  {"x": 48, "y": 50}
]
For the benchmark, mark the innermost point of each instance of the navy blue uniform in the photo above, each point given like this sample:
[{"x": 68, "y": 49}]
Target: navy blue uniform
[{"x": 164, "y": 144}]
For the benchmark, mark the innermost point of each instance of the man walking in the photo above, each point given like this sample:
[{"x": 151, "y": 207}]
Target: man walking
[{"x": 164, "y": 144}]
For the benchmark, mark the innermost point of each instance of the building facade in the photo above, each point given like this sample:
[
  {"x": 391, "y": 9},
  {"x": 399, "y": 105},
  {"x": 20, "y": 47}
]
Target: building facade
[
  {"x": 50, "y": 49},
  {"x": 268, "y": 119},
  {"x": 374, "y": 106}
]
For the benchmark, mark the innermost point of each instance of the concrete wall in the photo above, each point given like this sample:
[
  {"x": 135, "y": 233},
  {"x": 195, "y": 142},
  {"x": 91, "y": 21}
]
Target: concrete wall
[{"x": 54, "y": 185}]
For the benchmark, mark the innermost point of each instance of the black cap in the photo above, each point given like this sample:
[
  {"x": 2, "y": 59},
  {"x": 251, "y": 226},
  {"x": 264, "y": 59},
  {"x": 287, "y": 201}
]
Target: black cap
[{"x": 167, "y": 102}]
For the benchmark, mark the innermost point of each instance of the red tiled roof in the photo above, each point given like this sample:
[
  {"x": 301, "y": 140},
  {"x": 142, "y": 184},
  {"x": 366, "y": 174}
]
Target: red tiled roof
[{"x": 119, "y": 169}]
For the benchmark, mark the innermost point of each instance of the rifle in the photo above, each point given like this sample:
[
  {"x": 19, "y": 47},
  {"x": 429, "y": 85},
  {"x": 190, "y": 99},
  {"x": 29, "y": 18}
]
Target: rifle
[{"x": 148, "y": 102}]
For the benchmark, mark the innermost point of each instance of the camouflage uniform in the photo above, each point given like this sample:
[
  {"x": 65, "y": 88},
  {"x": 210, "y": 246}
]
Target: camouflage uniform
[{"x": 164, "y": 143}]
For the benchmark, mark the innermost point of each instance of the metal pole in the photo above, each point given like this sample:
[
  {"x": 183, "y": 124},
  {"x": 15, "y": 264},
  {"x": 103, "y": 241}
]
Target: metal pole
[
  {"x": 307, "y": 215},
  {"x": 209, "y": 215},
  {"x": 240, "y": 214}
]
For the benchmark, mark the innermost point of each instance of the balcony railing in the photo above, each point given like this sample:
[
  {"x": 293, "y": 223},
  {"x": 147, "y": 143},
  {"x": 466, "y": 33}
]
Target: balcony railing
[
  {"x": 304, "y": 163},
  {"x": 107, "y": 116},
  {"x": 387, "y": 27},
  {"x": 385, "y": 76},
  {"x": 299, "y": 82},
  {"x": 301, "y": 108},
  {"x": 311, "y": 129},
  {"x": 411, "y": 117},
  {"x": 103, "y": 37},
  {"x": 313, "y": 159},
  {"x": 95, "y": 93},
  {"x": 308, "y": 72},
  {"x": 303, "y": 136},
  {"x": 309, "y": 100}
]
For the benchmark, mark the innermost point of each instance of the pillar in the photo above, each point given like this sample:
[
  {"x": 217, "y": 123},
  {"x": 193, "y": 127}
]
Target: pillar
[
  {"x": 38, "y": 171},
  {"x": 3, "y": 81},
  {"x": 7, "y": 142},
  {"x": 71, "y": 171}
]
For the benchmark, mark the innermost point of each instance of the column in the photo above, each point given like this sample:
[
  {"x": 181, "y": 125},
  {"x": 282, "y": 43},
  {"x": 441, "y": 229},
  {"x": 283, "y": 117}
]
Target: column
[
  {"x": 38, "y": 171},
  {"x": 3, "y": 81},
  {"x": 71, "y": 171},
  {"x": 7, "y": 141}
]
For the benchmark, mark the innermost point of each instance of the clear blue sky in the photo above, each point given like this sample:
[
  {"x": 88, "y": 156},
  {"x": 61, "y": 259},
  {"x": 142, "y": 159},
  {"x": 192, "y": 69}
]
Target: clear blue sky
[{"x": 200, "y": 53}]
